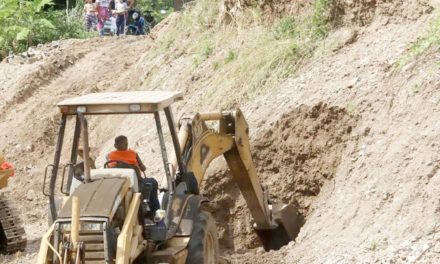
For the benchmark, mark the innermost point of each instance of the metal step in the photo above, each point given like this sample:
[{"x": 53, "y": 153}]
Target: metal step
[
  {"x": 94, "y": 255},
  {"x": 93, "y": 246},
  {"x": 96, "y": 262},
  {"x": 91, "y": 238}
]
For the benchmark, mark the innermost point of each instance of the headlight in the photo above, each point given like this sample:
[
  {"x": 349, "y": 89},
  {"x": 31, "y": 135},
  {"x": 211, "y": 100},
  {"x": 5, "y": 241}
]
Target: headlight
[
  {"x": 134, "y": 107},
  {"x": 81, "y": 109},
  {"x": 84, "y": 226}
]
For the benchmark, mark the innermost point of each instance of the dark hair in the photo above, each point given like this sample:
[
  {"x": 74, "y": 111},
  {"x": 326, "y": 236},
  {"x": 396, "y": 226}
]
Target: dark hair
[{"x": 120, "y": 139}]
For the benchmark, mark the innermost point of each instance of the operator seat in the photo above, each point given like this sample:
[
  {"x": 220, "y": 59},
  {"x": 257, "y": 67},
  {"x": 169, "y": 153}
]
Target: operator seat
[{"x": 148, "y": 188}]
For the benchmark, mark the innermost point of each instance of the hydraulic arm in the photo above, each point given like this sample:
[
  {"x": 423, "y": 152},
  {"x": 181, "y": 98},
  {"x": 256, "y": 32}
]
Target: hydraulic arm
[{"x": 276, "y": 224}]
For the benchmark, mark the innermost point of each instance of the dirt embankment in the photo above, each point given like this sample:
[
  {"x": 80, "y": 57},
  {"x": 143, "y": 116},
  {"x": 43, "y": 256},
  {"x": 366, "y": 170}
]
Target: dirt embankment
[
  {"x": 348, "y": 138},
  {"x": 294, "y": 159},
  {"x": 340, "y": 12}
]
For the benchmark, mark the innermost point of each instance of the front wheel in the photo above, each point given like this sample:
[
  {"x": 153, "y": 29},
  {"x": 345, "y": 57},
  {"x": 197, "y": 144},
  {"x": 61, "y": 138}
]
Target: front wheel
[{"x": 203, "y": 244}]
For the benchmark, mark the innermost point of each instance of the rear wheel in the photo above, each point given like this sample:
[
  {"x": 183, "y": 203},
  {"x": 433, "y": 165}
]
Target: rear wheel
[{"x": 203, "y": 245}]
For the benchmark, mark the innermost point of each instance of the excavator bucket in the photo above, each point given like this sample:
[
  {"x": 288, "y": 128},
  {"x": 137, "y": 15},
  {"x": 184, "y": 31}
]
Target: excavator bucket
[{"x": 289, "y": 222}]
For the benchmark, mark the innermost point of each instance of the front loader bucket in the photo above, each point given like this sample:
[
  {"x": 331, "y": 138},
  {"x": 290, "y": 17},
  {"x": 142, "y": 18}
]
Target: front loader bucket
[{"x": 289, "y": 222}]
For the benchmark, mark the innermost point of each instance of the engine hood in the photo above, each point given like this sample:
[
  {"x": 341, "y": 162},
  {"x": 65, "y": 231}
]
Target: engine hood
[{"x": 99, "y": 198}]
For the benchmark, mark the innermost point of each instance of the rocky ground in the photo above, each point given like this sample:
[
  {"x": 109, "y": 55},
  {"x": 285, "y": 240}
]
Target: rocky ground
[{"x": 350, "y": 138}]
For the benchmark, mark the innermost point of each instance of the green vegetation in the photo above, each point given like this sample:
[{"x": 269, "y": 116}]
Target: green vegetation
[
  {"x": 415, "y": 88},
  {"x": 320, "y": 18},
  {"x": 204, "y": 51},
  {"x": 22, "y": 23},
  {"x": 373, "y": 245},
  {"x": 285, "y": 29},
  {"x": 259, "y": 55},
  {"x": 25, "y": 23},
  {"x": 158, "y": 8},
  {"x": 231, "y": 56},
  {"x": 30, "y": 22},
  {"x": 428, "y": 40},
  {"x": 206, "y": 48}
]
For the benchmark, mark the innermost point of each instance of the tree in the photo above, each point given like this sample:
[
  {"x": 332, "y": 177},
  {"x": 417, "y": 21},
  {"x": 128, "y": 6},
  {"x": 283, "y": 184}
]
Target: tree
[{"x": 22, "y": 21}]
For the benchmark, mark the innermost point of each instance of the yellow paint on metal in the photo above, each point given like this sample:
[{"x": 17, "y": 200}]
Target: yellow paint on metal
[{"x": 124, "y": 238}]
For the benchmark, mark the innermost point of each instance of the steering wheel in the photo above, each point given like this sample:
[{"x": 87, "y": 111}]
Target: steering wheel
[{"x": 119, "y": 164}]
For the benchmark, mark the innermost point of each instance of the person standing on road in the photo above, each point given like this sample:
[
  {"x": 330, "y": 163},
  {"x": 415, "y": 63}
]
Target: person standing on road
[
  {"x": 89, "y": 15},
  {"x": 103, "y": 14},
  {"x": 119, "y": 12}
]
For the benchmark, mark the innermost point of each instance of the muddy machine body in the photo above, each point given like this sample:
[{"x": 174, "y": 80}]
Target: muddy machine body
[
  {"x": 12, "y": 234},
  {"x": 105, "y": 217}
]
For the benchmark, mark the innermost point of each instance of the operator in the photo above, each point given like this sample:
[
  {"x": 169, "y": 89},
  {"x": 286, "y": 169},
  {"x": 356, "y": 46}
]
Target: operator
[
  {"x": 124, "y": 154},
  {"x": 130, "y": 157}
]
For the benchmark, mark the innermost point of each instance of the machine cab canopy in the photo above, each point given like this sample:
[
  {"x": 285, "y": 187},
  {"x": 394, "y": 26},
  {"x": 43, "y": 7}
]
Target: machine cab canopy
[{"x": 134, "y": 102}]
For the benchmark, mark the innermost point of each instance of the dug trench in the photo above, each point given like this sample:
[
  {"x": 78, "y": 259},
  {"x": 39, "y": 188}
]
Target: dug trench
[{"x": 295, "y": 157}]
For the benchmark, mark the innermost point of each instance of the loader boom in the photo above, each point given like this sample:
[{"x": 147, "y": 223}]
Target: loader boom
[{"x": 201, "y": 145}]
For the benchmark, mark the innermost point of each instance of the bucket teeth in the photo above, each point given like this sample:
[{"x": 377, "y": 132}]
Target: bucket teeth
[
  {"x": 12, "y": 234},
  {"x": 288, "y": 220}
]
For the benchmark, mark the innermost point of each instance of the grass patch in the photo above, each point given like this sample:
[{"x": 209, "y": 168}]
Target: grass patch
[
  {"x": 415, "y": 89},
  {"x": 259, "y": 56},
  {"x": 206, "y": 48},
  {"x": 286, "y": 28},
  {"x": 230, "y": 57},
  {"x": 167, "y": 42},
  {"x": 215, "y": 65},
  {"x": 320, "y": 18},
  {"x": 373, "y": 246},
  {"x": 428, "y": 40}
]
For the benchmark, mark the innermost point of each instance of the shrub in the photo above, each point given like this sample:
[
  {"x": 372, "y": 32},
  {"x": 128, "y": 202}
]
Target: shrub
[
  {"x": 30, "y": 22},
  {"x": 23, "y": 23},
  {"x": 320, "y": 25},
  {"x": 285, "y": 28},
  {"x": 158, "y": 8}
]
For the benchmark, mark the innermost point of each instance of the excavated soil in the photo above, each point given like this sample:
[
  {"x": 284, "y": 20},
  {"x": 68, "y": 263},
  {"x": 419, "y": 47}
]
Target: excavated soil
[
  {"x": 349, "y": 138},
  {"x": 302, "y": 150}
]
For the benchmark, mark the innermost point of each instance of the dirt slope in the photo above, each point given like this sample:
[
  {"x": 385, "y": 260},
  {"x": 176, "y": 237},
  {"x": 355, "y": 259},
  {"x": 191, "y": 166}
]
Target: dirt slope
[
  {"x": 349, "y": 138},
  {"x": 381, "y": 206}
]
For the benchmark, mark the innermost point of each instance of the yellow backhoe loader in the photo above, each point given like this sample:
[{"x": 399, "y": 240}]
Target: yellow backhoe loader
[
  {"x": 106, "y": 215},
  {"x": 12, "y": 234}
]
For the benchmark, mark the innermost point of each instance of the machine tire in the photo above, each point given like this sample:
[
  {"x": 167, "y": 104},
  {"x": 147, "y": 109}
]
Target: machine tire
[{"x": 203, "y": 245}]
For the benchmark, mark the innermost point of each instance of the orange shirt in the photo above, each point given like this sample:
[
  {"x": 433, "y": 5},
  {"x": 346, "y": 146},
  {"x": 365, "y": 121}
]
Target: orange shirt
[
  {"x": 7, "y": 166},
  {"x": 128, "y": 156}
]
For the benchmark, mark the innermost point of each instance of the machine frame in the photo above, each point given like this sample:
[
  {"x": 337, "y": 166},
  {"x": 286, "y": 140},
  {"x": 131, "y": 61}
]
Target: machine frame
[{"x": 195, "y": 145}]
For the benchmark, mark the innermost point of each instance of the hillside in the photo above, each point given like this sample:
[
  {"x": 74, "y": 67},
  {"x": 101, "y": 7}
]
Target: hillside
[{"x": 341, "y": 97}]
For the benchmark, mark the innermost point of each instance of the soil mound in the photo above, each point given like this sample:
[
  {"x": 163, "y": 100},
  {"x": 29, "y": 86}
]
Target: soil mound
[{"x": 302, "y": 151}]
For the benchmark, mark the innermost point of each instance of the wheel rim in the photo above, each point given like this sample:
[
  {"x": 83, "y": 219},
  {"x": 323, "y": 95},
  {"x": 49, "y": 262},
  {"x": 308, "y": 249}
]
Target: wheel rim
[{"x": 209, "y": 250}]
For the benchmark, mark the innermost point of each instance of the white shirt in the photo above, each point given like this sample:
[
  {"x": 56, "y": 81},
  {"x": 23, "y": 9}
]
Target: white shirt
[
  {"x": 121, "y": 7},
  {"x": 103, "y": 3}
]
